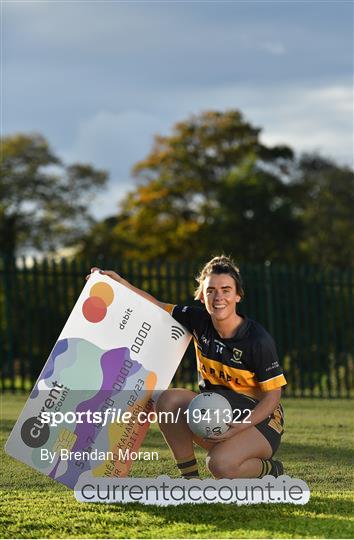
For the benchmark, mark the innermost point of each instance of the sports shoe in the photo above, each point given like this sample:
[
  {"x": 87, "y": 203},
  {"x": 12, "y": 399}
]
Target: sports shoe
[{"x": 277, "y": 468}]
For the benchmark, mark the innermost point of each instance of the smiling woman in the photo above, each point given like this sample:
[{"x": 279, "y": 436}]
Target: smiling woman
[
  {"x": 220, "y": 289},
  {"x": 237, "y": 359}
]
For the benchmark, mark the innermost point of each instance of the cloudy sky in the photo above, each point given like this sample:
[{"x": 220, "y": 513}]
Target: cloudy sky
[{"x": 100, "y": 78}]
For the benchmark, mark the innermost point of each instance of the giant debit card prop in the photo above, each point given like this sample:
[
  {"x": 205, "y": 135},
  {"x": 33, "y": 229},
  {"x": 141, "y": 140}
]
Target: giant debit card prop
[{"x": 116, "y": 352}]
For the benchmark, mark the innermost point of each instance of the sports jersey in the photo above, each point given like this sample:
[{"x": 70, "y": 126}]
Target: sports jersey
[{"x": 247, "y": 363}]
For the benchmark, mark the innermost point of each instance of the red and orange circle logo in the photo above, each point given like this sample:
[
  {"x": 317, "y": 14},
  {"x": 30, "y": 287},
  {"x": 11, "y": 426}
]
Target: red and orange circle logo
[{"x": 95, "y": 307}]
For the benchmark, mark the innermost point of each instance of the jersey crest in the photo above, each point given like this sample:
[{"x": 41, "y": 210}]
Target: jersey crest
[{"x": 236, "y": 356}]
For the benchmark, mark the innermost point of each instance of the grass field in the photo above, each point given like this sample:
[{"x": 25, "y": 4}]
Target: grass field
[{"x": 317, "y": 447}]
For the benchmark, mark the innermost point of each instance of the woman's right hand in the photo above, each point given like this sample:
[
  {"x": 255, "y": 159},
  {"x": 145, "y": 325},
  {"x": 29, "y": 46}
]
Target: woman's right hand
[
  {"x": 109, "y": 273},
  {"x": 124, "y": 282}
]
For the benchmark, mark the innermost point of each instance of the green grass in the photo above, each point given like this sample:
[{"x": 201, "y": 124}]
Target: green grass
[{"x": 316, "y": 448}]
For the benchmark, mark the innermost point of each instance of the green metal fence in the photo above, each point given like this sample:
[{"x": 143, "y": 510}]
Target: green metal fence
[{"x": 309, "y": 312}]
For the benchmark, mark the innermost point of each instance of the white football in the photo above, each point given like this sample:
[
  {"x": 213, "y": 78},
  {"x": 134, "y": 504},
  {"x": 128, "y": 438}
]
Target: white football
[{"x": 208, "y": 414}]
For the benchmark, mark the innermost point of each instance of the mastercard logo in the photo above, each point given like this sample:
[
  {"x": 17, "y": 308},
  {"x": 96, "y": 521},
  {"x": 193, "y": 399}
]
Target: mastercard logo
[{"x": 94, "y": 308}]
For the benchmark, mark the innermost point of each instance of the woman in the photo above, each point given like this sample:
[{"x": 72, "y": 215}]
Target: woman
[{"x": 237, "y": 358}]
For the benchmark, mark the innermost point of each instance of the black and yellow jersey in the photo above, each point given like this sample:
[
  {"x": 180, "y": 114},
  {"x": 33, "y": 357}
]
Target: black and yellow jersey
[{"x": 247, "y": 363}]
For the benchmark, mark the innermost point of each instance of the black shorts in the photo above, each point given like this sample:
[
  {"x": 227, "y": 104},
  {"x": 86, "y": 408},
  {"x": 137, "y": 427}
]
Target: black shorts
[{"x": 271, "y": 428}]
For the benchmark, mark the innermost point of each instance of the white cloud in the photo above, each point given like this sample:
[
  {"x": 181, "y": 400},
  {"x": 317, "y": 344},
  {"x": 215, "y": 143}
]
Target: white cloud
[
  {"x": 307, "y": 119},
  {"x": 106, "y": 203},
  {"x": 311, "y": 119},
  {"x": 113, "y": 137},
  {"x": 99, "y": 79},
  {"x": 115, "y": 142},
  {"x": 273, "y": 47}
]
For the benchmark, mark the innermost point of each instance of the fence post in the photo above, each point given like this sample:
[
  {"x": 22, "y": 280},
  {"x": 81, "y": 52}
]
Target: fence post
[
  {"x": 315, "y": 343},
  {"x": 8, "y": 305},
  {"x": 350, "y": 343},
  {"x": 269, "y": 296}
]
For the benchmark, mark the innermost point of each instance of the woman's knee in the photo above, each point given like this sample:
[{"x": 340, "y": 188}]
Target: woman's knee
[
  {"x": 173, "y": 399},
  {"x": 221, "y": 467}
]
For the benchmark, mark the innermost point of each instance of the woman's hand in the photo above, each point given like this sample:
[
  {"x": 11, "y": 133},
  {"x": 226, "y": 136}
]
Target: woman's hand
[
  {"x": 124, "y": 282},
  {"x": 263, "y": 409},
  {"x": 109, "y": 273},
  {"x": 231, "y": 432}
]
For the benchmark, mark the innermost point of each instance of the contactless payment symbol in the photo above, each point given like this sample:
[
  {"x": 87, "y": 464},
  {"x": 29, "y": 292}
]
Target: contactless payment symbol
[
  {"x": 177, "y": 332},
  {"x": 94, "y": 308}
]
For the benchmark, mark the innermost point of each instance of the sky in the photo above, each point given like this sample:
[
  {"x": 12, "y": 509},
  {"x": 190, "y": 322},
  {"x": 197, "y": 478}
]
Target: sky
[{"x": 100, "y": 78}]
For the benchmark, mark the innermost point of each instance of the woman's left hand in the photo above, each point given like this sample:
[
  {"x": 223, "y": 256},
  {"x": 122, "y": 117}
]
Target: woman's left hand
[{"x": 231, "y": 432}]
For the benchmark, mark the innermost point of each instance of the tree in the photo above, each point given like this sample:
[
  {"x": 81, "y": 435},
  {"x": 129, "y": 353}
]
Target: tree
[
  {"x": 255, "y": 218},
  {"x": 43, "y": 202},
  {"x": 212, "y": 186},
  {"x": 187, "y": 183},
  {"x": 325, "y": 203}
]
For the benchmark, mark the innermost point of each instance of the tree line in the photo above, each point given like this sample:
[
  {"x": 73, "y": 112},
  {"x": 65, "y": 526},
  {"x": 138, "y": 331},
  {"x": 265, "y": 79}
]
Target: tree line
[{"x": 210, "y": 186}]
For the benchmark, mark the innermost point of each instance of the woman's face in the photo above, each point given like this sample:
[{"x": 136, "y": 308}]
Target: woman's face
[{"x": 219, "y": 296}]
